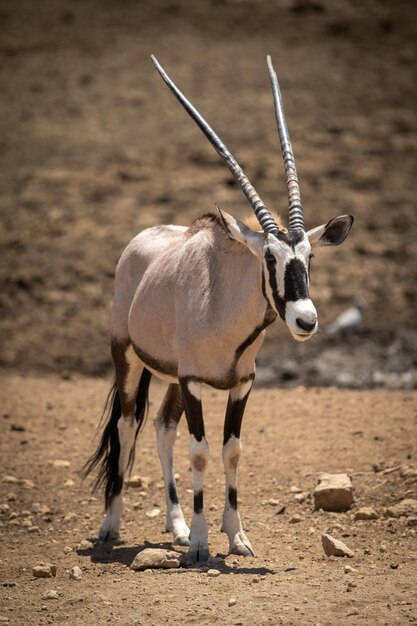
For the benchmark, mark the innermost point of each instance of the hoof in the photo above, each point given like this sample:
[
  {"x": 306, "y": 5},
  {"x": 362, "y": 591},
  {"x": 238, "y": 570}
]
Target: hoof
[
  {"x": 195, "y": 555},
  {"x": 241, "y": 546},
  {"x": 181, "y": 541},
  {"x": 107, "y": 536},
  {"x": 242, "y": 550}
]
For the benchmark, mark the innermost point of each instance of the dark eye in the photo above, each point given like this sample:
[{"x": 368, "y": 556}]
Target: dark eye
[{"x": 269, "y": 258}]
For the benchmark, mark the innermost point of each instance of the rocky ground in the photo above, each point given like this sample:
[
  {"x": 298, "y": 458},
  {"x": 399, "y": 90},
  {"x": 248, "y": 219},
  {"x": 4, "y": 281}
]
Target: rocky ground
[{"x": 289, "y": 436}]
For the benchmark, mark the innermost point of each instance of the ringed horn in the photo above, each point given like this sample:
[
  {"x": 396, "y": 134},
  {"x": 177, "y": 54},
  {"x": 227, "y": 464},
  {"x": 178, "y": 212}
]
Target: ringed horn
[
  {"x": 295, "y": 210},
  {"x": 262, "y": 213}
]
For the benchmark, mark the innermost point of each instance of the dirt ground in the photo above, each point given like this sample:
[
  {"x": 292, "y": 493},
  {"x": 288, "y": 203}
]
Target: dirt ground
[
  {"x": 94, "y": 148},
  {"x": 289, "y": 437}
]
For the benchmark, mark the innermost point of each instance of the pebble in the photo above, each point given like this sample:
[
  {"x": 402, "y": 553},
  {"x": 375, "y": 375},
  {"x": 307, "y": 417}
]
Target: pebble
[
  {"x": 68, "y": 549},
  {"x": 44, "y": 570},
  {"x": 52, "y": 594},
  {"x": 382, "y": 548},
  {"x": 365, "y": 513},
  {"x": 69, "y": 483},
  {"x": 138, "y": 482},
  {"x": 12, "y": 480},
  {"x": 26, "y": 483},
  {"x": 213, "y": 573},
  {"x": 334, "y": 492},
  {"x": 349, "y": 570},
  {"x": 295, "y": 519},
  {"x": 60, "y": 464},
  {"x": 151, "y": 558},
  {"x": 273, "y": 502},
  {"x": 34, "y": 529},
  {"x": 153, "y": 513},
  {"x": 335, "y": 547},
  {"x": 295, "y": 489},
  {"x": 406, "y": 508},
  {"x": 85, "y": 545},
  {"x": 68, "y": 517},
  {"x": 75, "y": 573},
  {"x": 232, "y": 601},
  {"x": 301, "y": 497},
  {"x": 4, "y": 508}
]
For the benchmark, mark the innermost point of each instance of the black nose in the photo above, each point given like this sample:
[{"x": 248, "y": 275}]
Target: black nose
[{"x": 307, "y": 326}]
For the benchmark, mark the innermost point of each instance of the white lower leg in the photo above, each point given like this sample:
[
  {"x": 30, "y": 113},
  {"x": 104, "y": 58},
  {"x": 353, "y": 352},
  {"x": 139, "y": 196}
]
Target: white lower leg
[
  {"x": 175, "y": 519},
  {"x": 232, "y": 525},
  {"x": 199, "y": 456}
]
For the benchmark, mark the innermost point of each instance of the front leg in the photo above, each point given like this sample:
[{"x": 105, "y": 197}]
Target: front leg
[
  {"x": 238, "y": 396},
  {"x": 199, "y": 456}
]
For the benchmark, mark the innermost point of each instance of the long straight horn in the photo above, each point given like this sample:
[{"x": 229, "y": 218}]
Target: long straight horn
[
  {"x": 262, "y": 213},
  {"x": 295, "y": 210}
]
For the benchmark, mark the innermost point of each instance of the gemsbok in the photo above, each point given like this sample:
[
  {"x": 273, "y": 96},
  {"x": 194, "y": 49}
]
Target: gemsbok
[{"x": 191, "y": 305}]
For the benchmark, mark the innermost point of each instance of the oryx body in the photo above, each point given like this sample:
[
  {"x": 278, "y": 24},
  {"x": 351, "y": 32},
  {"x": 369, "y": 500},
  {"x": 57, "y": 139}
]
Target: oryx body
[{"x": 191, "y": 306}]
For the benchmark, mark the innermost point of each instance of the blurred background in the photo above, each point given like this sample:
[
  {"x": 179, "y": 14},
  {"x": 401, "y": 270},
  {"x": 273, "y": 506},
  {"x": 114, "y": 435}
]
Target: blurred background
[{"x": 94, "y": 148}]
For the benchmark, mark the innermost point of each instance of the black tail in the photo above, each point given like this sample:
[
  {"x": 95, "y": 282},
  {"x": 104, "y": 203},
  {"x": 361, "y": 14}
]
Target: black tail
[{"x": 107, "y": 454}]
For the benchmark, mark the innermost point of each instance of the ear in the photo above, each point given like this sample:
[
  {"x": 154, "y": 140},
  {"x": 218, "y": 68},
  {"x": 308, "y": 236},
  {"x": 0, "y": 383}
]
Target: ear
[
  {"x": 238, "y": 231},
  {"x": 331, "y": 234}
]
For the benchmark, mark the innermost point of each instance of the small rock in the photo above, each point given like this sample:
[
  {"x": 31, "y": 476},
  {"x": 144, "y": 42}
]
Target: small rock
[
  {"x": 273, "y": 502},
  {"x": 34, "y": 529},
  {"x": 394, "y": 565},
  {"x": 406, "y": 508},
  {"x": 232, "y": 601},
  {"x": 44, "y": 570},
  {"x": 295, "y": 519},
  {"x": 281, "y": 510},
  {"x": 382, "y": 548},
  {"x": 4, "y": 508},
  {"x": 151, "y": 558},
  {"x": 138, "y": 482},
  {"x": 153, "y": 513},
  {"x": 365, "y": 513},
  {"x": 50, "y": 595},
  {"x": 85, "y": 545},
  {"x": 75, "y": 573},
  {"x": 60, "y": 464},
  {"x": 213, "y": 573},
  {"x": 11, "y": 497},
  {"x": 334, "y": 547},
  {"x": 68, "y": 550},
  {"x": 334, "y": 492},
  {"x": 295, "y": 489},
  {"x": 12, "y": 480},
  {"x": 68, "y": 517},
  {"x": 301, "y": 497},
  {"x": 69, "y": 483},
  {"x": 26, "y": 483},
  {"x": 412, "y": 521},
  {"x": 408, "y": 471},
  {"x": 349, "y": 570}
]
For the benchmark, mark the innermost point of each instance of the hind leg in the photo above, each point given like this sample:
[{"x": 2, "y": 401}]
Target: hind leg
[
  {"x": 166, "y": 423},
  {"x": 128, "y": 373}
]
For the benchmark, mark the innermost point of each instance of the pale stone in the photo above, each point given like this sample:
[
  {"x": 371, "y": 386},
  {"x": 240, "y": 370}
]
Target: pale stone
[
  {"x": 334, "y": 492},
  {"x": 153, "y": 513},
  {"x": 334, "y": 547},
  {"x": 85, "y": 545},
  {"x": 366, "y": 513},
  {"x": 295, "y": 519},
  {"x": 213, "y": 573},
  {"x": 138, "y": 482},
  {"x": 232, "y": 601},
  {"x": 75, "y": 573},
  {"x": 26, "y": 483},
  {"x": 52, "y": 594},
  {"x": 44, "y": 570},
  {"x": 12, "y": 480},
  {"x": 406, "y": 508},
  {"x": 151, "y": 558},
  {"x": 60, "y": 464}
]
